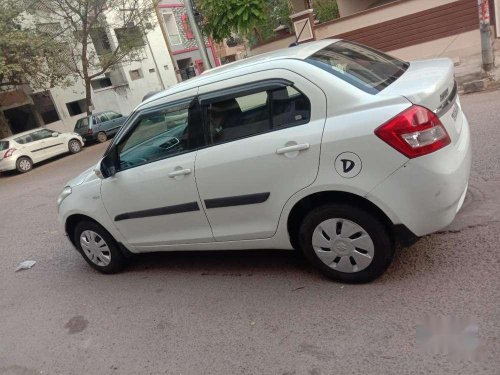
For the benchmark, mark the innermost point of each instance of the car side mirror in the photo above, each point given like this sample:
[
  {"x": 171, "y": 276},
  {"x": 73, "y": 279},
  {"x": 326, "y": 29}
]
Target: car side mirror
[
  {"x": 55, "y": 134},
  {"x": 109, "y": 164}
]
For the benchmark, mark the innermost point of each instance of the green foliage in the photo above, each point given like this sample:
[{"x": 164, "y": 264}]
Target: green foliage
[
  {"x": 326, "y": 10},
  {"x": 26, "y": 55},
  {"x": 277, "y": 13},
  {"x": 221, "y": 19}
]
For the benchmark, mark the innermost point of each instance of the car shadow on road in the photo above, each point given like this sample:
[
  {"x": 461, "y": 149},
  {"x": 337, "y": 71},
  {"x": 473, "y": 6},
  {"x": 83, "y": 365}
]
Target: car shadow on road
[
  {"x": 15, "y": 173},
  {"x": 240, "y": 262}
]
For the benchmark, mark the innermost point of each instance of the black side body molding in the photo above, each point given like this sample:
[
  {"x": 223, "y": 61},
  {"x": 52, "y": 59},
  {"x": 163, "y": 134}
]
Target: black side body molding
[
  {"x": 240, "y": 200},
  {"x": 44, "y": 148},
  {"x": 169, "y": 210}
]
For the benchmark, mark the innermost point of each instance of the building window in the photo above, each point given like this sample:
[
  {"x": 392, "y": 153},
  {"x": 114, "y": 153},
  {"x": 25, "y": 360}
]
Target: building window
[
  {"x": 136, "y": 74},
  {"x": 45, "y": 107},
  {"x": 172, "y": 29},
  {"x": 100, "y": 40},
  {"x": 77, "y": 107},
  {"x": 100, "y": 83},
  {"x": 187, "y": 28},
  {"x": 130, "y": 36}
]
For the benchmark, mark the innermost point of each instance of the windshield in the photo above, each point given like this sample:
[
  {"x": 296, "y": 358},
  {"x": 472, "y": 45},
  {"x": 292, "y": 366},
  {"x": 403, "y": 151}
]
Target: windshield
[
  {"x": 367, "y": 69},
  {"x": 4, "y": 145}
]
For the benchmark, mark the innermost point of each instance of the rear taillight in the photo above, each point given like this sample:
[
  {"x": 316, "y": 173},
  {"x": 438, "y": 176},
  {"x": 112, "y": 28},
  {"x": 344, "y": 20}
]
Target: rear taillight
[
  {"x": 9, "y": 153},
  {"x": 415, "y": 132},
  {"x": 90, "y": 131}
]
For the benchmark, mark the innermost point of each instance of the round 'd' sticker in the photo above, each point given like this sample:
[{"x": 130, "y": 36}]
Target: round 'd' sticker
[{"x": 348, "y": 164}]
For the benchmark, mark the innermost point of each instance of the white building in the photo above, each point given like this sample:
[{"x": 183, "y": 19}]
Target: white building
[{"x": 119, "y": 90}]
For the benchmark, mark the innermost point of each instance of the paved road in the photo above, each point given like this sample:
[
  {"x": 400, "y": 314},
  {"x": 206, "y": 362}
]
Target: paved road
[{"x": 244, "y": 312}]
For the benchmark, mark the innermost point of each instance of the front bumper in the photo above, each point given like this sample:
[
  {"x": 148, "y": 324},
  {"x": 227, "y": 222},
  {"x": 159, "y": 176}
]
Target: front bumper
[
  {"x": 427, "y": 192},
  {"x": 8, "y": 164}
]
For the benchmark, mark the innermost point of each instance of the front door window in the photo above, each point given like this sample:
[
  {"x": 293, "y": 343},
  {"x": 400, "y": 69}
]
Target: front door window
[{"x": 158, "y": 135}]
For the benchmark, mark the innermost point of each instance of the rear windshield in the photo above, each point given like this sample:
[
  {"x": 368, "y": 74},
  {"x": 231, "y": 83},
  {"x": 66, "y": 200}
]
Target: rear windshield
[
  {"x": 82, "y": 123},
  {"x": 4, "y": 145},
  {"x": 367, "y": 69}
]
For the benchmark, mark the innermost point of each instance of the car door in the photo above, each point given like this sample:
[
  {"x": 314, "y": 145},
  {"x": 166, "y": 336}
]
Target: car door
[
  {"x": 45, "y": 145},
  {"x": 102, "y": 123},
  {"x": 115, "y": 120},
  {"x": 153, "y": 199},
  {"x": 263, "y": 146}
]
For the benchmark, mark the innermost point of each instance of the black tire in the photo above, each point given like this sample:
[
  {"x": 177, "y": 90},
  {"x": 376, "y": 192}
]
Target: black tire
[
  {"x": 102, "y": 137},
  {"x": 24, "y": 164},
  {"x": 117, "y": 262},
  {"x": 72, "y": 146},
  {"x": 370, "y": 223}
]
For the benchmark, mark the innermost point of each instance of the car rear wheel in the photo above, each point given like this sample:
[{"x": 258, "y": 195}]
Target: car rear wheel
[
  {"x": 346, "y": 243},
  {"x": 74, "y": 146},
  {"x": 24, "y": 164},
  {"x": 98, "y": 247},
  {"x": 102, "y": 137}
]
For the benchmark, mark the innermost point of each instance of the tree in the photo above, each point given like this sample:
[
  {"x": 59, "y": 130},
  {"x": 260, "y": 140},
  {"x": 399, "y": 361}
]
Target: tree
[
  {"x": 221, "y": 19},
  {"x": 277, "y": 13},
  {"x": 96, "y": 36},
  {"x": 27, "y": 57},
  {"x": 326, "y": 10}
]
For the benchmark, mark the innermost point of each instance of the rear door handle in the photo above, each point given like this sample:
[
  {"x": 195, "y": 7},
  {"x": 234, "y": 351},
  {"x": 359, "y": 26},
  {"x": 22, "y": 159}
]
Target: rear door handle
[
  {"x": 294, "y": 148},
  {"x": 180, "y": 172}
]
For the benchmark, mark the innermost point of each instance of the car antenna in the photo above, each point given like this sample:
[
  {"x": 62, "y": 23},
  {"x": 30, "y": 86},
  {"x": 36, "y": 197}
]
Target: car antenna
[{"x": 296, "y": 43}]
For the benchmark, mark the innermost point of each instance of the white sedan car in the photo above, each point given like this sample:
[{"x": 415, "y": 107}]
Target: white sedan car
[
  {"x": 23, "y": 150},
  {"x": 331, "y": 148}
]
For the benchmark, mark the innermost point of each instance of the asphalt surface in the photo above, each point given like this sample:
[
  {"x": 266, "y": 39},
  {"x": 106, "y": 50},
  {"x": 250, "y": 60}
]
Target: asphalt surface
[{"x": 245, "y": 312}]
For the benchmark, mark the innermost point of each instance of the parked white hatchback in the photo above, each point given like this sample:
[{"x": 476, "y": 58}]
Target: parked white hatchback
[
  {"x": 21, "y": 151},
  {"x": 330, "y": 147}
]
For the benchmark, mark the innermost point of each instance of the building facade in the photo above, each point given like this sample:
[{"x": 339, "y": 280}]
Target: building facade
[
  {"x": 121, "y": 89},
  {"x": 181, "y": 39},
  {"x": 408, "y": 29}
]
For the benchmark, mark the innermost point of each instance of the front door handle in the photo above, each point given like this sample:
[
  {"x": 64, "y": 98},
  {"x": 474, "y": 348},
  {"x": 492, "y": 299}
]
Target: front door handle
[
  {"x": 179, "y": 172},
  {"x": 294, "y": 148}
]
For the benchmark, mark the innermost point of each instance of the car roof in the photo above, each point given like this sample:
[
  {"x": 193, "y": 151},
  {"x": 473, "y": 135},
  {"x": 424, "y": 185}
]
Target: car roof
[
  {"x": 300, "y": 52},
  {"x": 13, "y": 137}
]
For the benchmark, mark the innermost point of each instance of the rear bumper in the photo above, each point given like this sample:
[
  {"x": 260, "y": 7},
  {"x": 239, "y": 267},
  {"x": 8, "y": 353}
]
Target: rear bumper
[
  {"x": 427, "y": 192},
  {"x": 89, "y": 138},
  {"x": 8, "y": 164}
]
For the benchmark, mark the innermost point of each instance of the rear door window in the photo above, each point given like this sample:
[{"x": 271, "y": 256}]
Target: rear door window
[
  {"x": 242, "y": 116},
  {"x": 289, "y": 108},
  {"x": 238, "y": 117},
  {"x": 363, "y": 67},
  {"x": 4, "y": 145}
]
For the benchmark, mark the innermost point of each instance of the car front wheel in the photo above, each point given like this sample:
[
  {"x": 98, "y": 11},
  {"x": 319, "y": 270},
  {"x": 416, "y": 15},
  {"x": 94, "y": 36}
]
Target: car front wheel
[
  {"x": 98, "y": 247},
  {"x": 74, "y": 146},
  {"x": 346, "y": 243}
]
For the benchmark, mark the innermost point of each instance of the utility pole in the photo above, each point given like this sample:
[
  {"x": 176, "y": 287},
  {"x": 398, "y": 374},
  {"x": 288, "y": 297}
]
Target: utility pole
[
  {"x": 485, "y": 29},
  {"x": 197, "y": 35}
]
